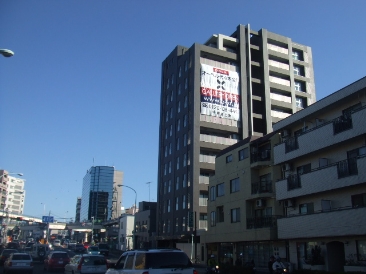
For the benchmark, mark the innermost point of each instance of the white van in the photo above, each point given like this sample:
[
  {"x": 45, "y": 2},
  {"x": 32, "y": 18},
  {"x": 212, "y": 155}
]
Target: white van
[{"x": 39, "y": 251}]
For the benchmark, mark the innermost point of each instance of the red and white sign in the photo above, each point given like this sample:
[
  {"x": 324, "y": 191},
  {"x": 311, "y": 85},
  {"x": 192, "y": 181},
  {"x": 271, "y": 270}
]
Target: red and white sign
[{"x": 220, "y": 95}]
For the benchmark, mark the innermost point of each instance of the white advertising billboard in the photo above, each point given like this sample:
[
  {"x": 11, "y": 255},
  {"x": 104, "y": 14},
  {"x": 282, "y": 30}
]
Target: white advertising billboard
[{"x": 220, "y": 95}]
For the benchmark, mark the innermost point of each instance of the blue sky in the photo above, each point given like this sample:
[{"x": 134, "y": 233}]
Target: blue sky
[{"x": 83, "y": 87}]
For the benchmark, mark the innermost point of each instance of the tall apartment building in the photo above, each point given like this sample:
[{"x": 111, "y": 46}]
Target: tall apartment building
[
  {"x": 12, "y": 193},
  {"x": 78, "y": 208},
  {"x": 101, "y": 197},
  {"x": 15, "y": 195},
  {"x": 323, "y": 187},
  {"x": 213, "y": 95}
]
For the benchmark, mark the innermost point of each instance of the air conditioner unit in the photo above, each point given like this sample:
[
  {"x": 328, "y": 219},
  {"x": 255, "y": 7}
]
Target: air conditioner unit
[
  {"x": 260, "y": 203},
  {"x": 289, "y": 203}
]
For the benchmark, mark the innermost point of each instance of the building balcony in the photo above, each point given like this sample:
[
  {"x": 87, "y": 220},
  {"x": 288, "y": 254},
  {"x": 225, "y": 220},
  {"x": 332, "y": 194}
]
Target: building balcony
[
  {"x": 207, "y": 159},
  {"x": 217, "y": 140},
  {"x": 261, "y": 222},
  {"x": 332, "y": 223},
  {"x": 279, "y": 114},
  {"x": 262, "y": 187},
  {"x": 202, "y": 224},
  {"x": 220, "y": 121},
  {"x": 345, "y": 173},
  {"x": 324, "y": 135},
  {"x": 204, "y": 180},
  {"x": 203, "y": 201}
]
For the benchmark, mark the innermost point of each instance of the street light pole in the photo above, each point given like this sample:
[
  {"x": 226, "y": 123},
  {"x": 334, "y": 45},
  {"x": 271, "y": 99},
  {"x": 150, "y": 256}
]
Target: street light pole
[
  {"x": 134, "y": 217},
  {"x": 6, "y": 52}
]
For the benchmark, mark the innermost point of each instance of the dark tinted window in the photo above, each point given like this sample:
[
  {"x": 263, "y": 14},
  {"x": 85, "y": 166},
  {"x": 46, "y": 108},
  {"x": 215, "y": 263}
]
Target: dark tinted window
[
  {"x": 9, "y": 251},
  {"x": 103, "y": 246},
  {"x": 167, "y": 260},
  {"x": 94, "y": 260},
  {"x": 93, "y": 248},
  {"x": 60, "y": 255},
  {"x": 21, "y": 257}
]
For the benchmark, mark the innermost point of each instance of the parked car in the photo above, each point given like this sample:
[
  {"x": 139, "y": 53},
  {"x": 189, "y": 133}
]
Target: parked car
[
  {"x": 79, "y": 248},
  {"x": 103, "y": 249},
  {"x": 56, "y": 260},
  {"x": 86, "y": 263},
  {"x": 19, "y": 262},
  {"x": 153, "y": 261},
  {"x": 5, "y": 254},
  {"x": 94, "y": 250}
]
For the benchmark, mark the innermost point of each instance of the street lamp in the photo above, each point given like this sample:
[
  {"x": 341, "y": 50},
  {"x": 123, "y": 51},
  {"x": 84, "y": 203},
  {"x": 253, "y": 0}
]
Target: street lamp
[
  {"x": 6, "y": 52},
  {"x": 134, "y": 213}
]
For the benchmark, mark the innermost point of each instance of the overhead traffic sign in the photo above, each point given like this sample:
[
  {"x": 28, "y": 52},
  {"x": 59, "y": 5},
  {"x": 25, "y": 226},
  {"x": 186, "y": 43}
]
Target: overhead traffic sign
[{"x": 47, "y": 219}]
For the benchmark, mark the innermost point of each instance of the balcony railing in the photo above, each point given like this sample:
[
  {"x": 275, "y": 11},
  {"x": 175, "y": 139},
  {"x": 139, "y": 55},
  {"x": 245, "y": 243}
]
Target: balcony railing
[
  {"x": 202, "y": 224},
  {"x": 204, "y": 180},
  {"x": 291, "y": 144},
  {"x": 347, "y": 167},
  {"x": 260, "y": 222},
  {"x": 293, "y": 181},
  {"x": 342, "y": 123},
  {"x": 262, "y": 187},
  {"x": 207, "y": 159},
  {"x": 264, "y": 155},
  {"x": 217, "y": 140},
  {"x": 203, "y": 201},
  {"x": 218, "y": 120}
]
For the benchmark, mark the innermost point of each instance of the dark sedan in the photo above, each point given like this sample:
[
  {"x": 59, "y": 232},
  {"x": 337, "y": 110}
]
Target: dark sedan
[{"x": 79, "y": 248}]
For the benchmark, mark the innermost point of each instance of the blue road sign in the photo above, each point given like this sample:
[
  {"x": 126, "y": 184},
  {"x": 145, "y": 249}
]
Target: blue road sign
[{"x": 47, "y": 219}]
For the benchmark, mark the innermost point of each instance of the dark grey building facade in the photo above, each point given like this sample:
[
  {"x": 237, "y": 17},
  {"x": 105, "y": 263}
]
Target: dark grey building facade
[{"x": 213, "y": 95}]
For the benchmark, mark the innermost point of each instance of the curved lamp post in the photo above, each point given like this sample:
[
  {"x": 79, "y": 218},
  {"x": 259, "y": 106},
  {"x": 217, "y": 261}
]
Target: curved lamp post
[
  {"x": 6, "y": 52},
  {"x": 134, "y": 213}
]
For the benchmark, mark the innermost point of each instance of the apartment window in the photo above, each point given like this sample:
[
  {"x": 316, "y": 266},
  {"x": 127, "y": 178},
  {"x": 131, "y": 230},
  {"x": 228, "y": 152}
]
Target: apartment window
[
  {"x": 220, "y": 191},
  {"x": 167, "y": 116},
  {"x": 185, "y": 65},
  {"x": 235, "y": 215},
  {"x": 166, "y": 151},
  {"x": 170, "y": 148},
  {"x": 304, "y": 169},
  {"x": 178, "y": 107},
  {"x": 170, "y": 167},
  {"x": 176, "y": 224},
  {"x": 184, "y": 181},
  {"x": 165, "y": 169},
  {"x": 229, "y": 158},
  {"x": 186, "y": 83},
  {"x": 169, "y": 186},
  {"x": 299, "y": 86},
  {"x": 307, "y": 208},
  {"x": 168, "y": 226},
  {"x": 183, "y": 201},
  {"x": 234, "y": 185},
  {"x": 163, "y": 228},
  {"x": 183, "y": 223},
  {"x": 185, "y": 101},
  {"x": 177, "y": 162},
  {"x": 171, "y": 130},
  {"x": 361, "y": 250},
  {"x": 300, "y": 102},
  {"x": 178, "y": 125},
  {"x": 166, "y": 134},
  {"x": 180, "y": 71},
  {"x": 171, "y": 96},
  {"x": 297, "y": 55},
  {"x": 243, "y": 154},
  {"x": 177, "y": 183},
  {"x": 185, "y": 120},
  {"x": 213, "y": 218},
  {"x": 189, "y": 201},
  {"x": 167, "y": 99},
  {"x": 176, "y": 203},
  {"x": 220, "y": 214},
  {"x": 185, "y": 159},
  {"x": 184, "y": 139},
  {"x": 299, "y": 70},
  {"x": 172, "y": 78},
  {"x": 171, "y": 113},
  {"x": 359, "y": 200},
  {"x": 168, "y": 206},
  {"x": 177, "y": 142}
]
